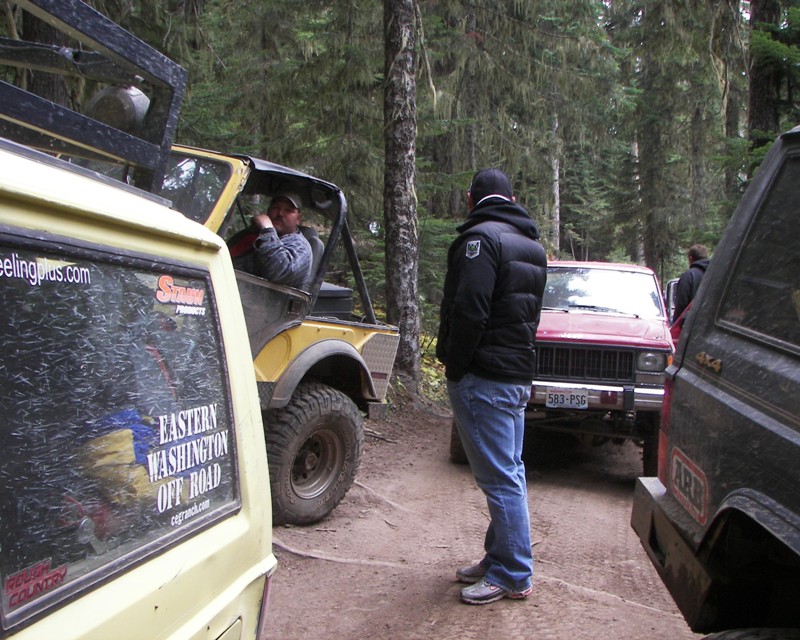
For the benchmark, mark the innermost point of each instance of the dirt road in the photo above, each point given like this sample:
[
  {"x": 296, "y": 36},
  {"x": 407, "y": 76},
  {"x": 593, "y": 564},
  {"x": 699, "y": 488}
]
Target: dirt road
[{"x": 381, "y": 567}]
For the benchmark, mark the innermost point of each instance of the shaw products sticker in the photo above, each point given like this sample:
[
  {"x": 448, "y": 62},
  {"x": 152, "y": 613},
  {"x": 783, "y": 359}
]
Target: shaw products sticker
[
  {"x": 187, "y": 300},
  {"x": 558, "y": 398},
  {"x": 689, "y": 485}
]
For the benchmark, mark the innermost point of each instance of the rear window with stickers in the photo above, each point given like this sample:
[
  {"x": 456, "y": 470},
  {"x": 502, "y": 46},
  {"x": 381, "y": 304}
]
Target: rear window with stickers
[{"x": 116, "y": 430}]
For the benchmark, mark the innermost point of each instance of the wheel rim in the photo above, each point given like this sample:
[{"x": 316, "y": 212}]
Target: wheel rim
[{"x": 317, "y": 464}]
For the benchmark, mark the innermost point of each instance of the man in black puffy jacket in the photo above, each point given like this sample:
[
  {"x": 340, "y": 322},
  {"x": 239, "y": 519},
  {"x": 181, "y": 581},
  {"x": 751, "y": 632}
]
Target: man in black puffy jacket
[{"x": 496, "y": 273}]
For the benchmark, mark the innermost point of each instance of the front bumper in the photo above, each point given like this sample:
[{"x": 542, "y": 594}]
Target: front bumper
[
  {"x": 685, "y": 577},
  {"x": 601, "y": 397}
]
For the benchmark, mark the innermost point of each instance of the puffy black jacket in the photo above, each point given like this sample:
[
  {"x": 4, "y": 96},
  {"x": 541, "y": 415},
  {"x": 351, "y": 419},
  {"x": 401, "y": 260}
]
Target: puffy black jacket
[
  {"x": 687, "y": 286},
  {"x": 496, "y": 273}
]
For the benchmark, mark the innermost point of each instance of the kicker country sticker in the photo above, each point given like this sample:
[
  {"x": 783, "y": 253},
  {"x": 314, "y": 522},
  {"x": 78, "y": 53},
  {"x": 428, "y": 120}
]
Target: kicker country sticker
[{"x": 473, "y": 249}]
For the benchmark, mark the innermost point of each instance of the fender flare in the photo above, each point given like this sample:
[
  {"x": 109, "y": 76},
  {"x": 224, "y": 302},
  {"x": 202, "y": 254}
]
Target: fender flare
[
  {"x": 780, "y": 522},
  {"x": 315, "y": 353}
]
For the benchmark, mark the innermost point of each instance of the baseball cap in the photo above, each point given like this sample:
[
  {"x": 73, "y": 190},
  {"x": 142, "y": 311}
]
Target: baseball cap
[
  {"x": 295, "y": 199},
  {"x": 490, "y": 182}
]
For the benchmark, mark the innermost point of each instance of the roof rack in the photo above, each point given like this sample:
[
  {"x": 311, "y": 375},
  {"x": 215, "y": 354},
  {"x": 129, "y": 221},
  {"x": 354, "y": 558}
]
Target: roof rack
[{"x": 105, "y": 54}]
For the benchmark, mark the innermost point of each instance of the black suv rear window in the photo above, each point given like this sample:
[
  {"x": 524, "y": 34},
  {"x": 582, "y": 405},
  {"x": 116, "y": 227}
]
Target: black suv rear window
[
  {"x": 116, "y": 432},
  {"x": 763, "y": 294}
]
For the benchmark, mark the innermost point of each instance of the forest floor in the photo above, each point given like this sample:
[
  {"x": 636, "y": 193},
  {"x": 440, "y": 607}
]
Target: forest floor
[{"x": 382, "y": 565}]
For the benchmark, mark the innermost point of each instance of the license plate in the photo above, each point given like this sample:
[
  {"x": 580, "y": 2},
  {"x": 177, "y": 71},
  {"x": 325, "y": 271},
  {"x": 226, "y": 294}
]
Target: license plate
[{"x": 567, "y": 399}]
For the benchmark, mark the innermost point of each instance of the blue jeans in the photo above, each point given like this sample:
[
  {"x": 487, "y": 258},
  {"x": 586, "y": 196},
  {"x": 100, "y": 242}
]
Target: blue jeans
[{"x": 490, "y": 417}]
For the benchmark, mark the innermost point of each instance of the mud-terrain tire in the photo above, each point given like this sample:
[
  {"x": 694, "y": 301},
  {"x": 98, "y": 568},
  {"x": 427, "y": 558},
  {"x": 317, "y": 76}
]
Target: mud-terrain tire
[
  {"x": 314, "y": 447},
  {"x": 755, "y": 634},
  {"x": 457, "y": 453}
]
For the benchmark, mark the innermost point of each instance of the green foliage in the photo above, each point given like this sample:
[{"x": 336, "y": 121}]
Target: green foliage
[
  {"x": 435, "y": 237},
  {"x": 587, "y": 217},
  {"x": 432, "y": 384},
  {"x": 620, "y": 123},
  {"x": 767, "y": 51},
  {"x": 640, "y": 105}
]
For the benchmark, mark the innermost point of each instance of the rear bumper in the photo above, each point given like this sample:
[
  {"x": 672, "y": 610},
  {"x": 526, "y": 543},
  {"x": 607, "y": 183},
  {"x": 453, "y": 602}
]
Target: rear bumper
[
  {"x": 685, "y": 577},
  {"x": 602, "y": 397}
]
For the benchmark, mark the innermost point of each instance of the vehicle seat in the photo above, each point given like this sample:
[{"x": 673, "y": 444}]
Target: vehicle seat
[
  {"x": 242, "y": 243},
  {"x": 317, "y": 247}
]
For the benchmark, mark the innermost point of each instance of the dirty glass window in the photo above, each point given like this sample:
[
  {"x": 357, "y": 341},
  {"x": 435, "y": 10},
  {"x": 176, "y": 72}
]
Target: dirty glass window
[
  {"x": 115, "y": 426},
  {"x": 194, "y": 185},
  {"x": 763, "y": 294},
  {"x": 603, "y": 291}
]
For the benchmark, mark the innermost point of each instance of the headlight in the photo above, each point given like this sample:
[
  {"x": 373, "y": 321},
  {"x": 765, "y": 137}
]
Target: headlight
[{"x": 651, "y": 361}]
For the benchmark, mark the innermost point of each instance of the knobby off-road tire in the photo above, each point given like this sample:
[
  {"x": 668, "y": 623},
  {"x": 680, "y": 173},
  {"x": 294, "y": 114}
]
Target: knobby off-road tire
[{"x": 314, "y": 447}]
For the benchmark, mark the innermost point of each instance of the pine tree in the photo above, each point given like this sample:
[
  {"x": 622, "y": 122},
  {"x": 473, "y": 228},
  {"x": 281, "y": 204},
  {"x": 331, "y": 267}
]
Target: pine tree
[{"x": 400, "y": 211}]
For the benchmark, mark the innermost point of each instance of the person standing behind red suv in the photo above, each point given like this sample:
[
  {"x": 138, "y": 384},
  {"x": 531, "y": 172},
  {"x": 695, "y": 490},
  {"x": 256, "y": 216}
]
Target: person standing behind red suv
[{"x": 689, "y": 282}]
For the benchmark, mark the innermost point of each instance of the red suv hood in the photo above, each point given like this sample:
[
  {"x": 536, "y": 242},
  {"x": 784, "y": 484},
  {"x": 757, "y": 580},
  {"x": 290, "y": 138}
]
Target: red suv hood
[{"x": 603, "y": 328}]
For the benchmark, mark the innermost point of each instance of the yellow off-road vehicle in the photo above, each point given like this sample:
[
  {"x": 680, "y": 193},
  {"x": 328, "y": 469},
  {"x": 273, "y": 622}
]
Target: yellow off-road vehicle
[
  {"x": 132, "y": 477},
  {"x": 320, "y": 358}
]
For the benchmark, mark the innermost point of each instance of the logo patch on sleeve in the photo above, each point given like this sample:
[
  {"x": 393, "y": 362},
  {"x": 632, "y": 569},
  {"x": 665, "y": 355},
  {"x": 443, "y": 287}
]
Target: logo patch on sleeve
[{"x": 473, "y": 249}]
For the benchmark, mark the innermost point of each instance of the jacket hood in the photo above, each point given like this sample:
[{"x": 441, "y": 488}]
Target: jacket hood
[
  {"x": 701, "y": 264},
  {"x": 501, "y": 210}
]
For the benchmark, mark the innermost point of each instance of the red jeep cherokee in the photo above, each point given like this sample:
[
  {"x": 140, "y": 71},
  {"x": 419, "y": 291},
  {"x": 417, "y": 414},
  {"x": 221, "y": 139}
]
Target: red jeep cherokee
[{"x": 601, "y": 348}]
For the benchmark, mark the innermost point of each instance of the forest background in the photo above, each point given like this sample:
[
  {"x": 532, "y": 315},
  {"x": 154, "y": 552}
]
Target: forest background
[{"x": 629, "y": 128}]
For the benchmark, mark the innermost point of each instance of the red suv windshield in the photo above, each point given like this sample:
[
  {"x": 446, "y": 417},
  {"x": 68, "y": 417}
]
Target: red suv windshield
[{"x": 603, "y": 290}]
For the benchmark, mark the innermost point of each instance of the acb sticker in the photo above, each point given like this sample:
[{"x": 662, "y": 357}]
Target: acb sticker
[{"x": 689, "y": 485}]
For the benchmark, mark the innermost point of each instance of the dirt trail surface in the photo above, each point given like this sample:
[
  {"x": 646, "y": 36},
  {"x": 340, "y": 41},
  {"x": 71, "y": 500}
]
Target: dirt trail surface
[{"x": 382, "y": 566}]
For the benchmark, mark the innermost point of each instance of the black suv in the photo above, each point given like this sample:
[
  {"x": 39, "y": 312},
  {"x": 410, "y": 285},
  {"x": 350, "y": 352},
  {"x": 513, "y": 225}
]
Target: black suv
[{"x": 721, "y": 522}]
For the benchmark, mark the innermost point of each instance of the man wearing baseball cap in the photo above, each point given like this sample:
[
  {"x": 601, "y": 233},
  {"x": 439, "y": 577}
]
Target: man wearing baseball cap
[
  {"x": 280, "y": 253},
  {"x": 493, "y": 289}
]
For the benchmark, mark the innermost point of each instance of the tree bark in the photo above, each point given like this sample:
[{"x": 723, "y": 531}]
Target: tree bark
[
  {"x": 697, "y": 201},
  {"x": 554, "y": 216},
  {"x": 399, "y": 191},
  {"x": 764, "y": 81}
]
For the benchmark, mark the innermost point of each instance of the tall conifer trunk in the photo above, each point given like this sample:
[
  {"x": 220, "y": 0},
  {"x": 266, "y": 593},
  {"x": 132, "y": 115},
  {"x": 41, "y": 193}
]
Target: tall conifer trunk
[
  {"x": 554, "y": 216},
  {"x": 399, "y": 191},
  {"x": 763, "y": 113}
]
